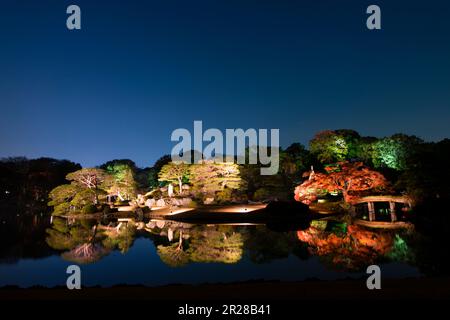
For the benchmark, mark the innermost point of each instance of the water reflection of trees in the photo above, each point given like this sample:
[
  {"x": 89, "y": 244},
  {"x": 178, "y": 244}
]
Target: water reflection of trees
[
  {"x": 221, "y": 244},
  {"x": 184, "y": 243},
  {"x": 340, "y": 246},
  {"x": 174, "y": 255},
  {"x": 177, "y": 244},
  {"x": 87, "y": 240},
  {"x": 201, "y": 243},
  {"x": 353, "y": 248}
]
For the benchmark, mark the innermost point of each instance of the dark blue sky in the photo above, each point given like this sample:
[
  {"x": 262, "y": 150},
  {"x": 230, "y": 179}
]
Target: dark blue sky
[{"x": 139, "y": 69}]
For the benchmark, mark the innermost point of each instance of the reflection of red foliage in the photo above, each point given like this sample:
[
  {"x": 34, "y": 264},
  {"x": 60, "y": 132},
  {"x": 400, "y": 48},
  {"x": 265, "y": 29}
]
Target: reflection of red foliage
[
  {"x": 358, "y": 247},
  {"x": 349, "y": 178}
]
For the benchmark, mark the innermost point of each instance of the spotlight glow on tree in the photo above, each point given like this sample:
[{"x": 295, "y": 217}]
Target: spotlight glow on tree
[
  {"x": 394, "y": 152},
  {"x": 329, "y": 147},
  {"x": 174, "y": 172},
  {"x": 209, "y": 177},
  {"x": 344, "y": 177}
]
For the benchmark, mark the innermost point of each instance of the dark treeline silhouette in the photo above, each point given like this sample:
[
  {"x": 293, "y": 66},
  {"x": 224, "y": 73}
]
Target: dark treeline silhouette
[
  {"x": 25, "y": 183},
  {"x": 24, "y": 188}
]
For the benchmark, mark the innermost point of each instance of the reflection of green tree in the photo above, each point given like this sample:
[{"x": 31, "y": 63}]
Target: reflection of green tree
[
  {"x": 219, "y": 244},
  {"x": 400, "y": 250},
  {"x": 64, "y": 237},
  {"x": 216, "y": 246},
  {"x": 123, "y": 172},
  {"x": 59, "y": 240},
  {"x": 79, "y": 239},
  {"x": 122, "y": 239},
  {"x": 173, "y": 255},
  {"x": 85, "y": 241}
]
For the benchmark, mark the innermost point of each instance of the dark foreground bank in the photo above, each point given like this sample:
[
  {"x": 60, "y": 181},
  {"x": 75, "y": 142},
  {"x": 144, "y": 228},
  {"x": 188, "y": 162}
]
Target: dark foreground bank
[{"x": 423, "y": 288}]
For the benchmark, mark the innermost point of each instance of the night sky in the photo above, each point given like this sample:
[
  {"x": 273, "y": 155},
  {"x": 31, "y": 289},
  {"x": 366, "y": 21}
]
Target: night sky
[{"x": 137, "y": 70}]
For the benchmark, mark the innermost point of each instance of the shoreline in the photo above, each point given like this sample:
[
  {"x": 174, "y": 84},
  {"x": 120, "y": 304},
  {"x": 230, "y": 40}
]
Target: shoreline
[{"x": 348, "y": 289}]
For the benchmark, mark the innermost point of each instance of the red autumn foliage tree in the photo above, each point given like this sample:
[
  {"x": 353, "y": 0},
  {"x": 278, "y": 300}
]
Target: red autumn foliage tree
[{"x": 348, "y": 178}]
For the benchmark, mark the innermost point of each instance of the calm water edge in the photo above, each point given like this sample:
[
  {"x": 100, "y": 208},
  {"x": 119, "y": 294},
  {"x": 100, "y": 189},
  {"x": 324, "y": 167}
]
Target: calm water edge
[{"x": 37, "y": 250}]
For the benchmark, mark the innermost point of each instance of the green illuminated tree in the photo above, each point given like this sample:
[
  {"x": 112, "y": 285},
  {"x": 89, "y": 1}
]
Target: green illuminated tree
[
  {"x": 124, "y": 184},
  {"x": 175, "y": 172},
  {"x": 91, "y": 178},
  {"x": 209, "y": 177},
  {"x": 329, "y": 147},
  {"x": 395, "y": 151},
  {"x": 62, "y": 196}
]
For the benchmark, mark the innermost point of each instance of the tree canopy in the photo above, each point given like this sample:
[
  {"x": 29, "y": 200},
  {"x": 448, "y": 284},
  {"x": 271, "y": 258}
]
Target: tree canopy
[
  {"x": 209, "y": 177},
  {"x": 345, "y": 177},
  {"x": 175, "y": 172}
]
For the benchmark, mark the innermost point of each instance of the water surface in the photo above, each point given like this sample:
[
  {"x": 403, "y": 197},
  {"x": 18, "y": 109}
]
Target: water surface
[{"x": 37, "y": 251}]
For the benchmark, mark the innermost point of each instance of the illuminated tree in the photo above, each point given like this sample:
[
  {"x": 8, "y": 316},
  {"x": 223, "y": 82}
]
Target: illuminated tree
[
  {"x": 394, "y": 152},
  {"x": 345, "y": 177},
  {"x": 85, "y": 188},
  {"x": 332, "y": 146},
  {"x": 62, "y": 196},
  {"x": 124, "y": 184},
  {"x": 329, "y": 147},
  {"x": 353, "y": 141},
  {"x": 91, "y": 178},
  {"x": 366, "y": 150},
  {"x": 174, "y": 172},
  {"x": 209, "y": 177}
]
